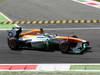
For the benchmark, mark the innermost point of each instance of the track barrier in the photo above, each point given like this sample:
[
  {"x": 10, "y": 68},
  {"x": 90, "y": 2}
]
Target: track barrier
[{"x": 50, "y": 21}]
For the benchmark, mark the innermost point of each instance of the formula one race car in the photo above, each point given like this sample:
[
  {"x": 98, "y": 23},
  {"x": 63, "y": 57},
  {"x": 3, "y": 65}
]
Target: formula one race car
[{"x": 39, "y": 40}]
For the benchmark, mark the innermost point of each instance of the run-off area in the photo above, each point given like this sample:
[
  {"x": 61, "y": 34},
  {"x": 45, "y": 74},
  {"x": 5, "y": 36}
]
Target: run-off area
[{"x": 5, "y": 18}]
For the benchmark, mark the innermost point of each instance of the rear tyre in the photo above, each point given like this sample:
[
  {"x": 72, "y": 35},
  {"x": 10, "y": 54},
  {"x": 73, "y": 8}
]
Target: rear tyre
[{"x": 13, "y": 43}]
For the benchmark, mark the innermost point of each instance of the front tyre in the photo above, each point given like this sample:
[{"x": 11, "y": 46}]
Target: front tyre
[{"x": 80, "y": 48}]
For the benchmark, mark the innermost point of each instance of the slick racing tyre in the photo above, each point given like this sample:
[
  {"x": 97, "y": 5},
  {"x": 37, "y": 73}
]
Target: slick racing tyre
[
  {"x": 79, "y": 48},
  {"x": 13, "y": 43},
  {"x": 64, "y": 47}
]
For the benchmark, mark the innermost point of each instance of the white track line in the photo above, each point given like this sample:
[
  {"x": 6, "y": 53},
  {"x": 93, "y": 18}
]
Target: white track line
[
  {"x": 7, "y": 18},
  {"x": 61, "y": 29},
  {"x": 72, "y": 28},
  {"x": 89, "y": 1}
]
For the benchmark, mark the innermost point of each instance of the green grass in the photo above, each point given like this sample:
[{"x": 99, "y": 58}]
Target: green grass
[
  {"x": 77, "y": 67},
  {"x": 85, "y": 67},
  {"x": 82, "y": 0},
  {"x": 93, "y": 67},
  {"x": 2, "y": 1},
  {"x": 5, "y": 26},
  {"x": 98, "y": 0}
]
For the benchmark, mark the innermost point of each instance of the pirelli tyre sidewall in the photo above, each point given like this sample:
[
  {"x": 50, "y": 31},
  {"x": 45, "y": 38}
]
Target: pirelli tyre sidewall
[
  {"x": 64, "y": 47},
  {"x": 13, "y": 43}
]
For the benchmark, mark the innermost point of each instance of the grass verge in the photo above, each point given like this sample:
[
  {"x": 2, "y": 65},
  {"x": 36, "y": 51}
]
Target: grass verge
[
  {"x": 2, "y": 1},
  {"x": 5, "y": 26},
  {"x": 97, "y": 0},
  {"x": 85, "y": 67}
]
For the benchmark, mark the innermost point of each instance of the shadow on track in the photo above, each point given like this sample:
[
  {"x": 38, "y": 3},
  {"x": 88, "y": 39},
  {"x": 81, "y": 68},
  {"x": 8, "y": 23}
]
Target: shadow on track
[{"x": 88, "y": 50}]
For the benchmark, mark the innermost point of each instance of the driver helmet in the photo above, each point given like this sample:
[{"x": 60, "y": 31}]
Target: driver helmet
[{"x": 42, "y": 31}]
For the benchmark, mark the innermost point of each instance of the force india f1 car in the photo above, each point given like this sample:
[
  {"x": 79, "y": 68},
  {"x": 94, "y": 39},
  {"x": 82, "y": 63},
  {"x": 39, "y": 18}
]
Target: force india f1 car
[{"x": 38, "y": 39}]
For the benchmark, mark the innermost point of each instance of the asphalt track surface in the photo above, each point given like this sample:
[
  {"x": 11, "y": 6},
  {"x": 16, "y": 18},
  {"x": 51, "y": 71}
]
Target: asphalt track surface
[{"x": 48, "y": 10}]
